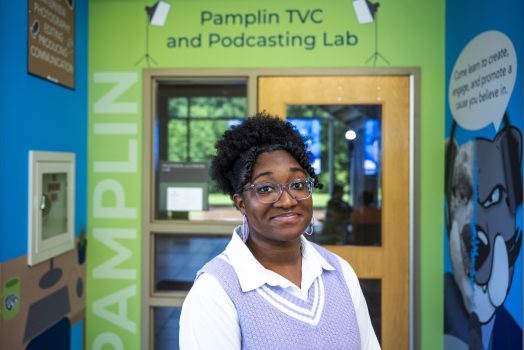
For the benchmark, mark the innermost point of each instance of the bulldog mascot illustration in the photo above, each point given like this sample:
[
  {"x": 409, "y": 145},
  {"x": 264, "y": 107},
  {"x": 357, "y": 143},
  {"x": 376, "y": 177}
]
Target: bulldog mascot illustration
[{"x": 483, "y": 192}]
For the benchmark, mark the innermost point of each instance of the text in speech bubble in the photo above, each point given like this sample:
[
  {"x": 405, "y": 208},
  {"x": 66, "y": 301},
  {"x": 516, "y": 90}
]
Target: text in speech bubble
[{"x": 482, "y": 81}]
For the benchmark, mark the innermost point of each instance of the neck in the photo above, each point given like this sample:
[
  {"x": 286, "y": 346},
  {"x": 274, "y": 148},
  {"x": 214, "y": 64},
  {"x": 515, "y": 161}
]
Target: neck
[{"x": 284, "y": 258}]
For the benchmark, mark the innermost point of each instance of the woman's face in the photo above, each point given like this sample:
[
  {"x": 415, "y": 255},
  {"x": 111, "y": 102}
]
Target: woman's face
[{"x": 286, "y": 219}]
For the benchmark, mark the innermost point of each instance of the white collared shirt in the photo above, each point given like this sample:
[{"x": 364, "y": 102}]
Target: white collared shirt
[{"x": 209, "y": 319}]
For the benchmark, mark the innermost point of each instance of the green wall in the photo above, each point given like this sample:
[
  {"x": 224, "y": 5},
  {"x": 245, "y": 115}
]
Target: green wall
[{"x": 410, "y": 34}]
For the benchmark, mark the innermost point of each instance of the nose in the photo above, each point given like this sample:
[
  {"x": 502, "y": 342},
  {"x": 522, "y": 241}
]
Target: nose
[{"x": 286, "y": 199}]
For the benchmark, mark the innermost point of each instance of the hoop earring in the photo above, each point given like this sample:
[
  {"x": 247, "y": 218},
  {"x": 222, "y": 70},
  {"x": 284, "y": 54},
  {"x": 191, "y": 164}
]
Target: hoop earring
[
  {"x": 311, "y": 228},
  {"x": 245, "y": 229}
]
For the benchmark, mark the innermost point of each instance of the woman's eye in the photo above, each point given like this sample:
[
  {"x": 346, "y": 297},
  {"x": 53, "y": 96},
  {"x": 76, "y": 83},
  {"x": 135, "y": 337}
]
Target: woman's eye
[
  {"x": 299, "y": 185},
  {"x": 265, "y": 189}
]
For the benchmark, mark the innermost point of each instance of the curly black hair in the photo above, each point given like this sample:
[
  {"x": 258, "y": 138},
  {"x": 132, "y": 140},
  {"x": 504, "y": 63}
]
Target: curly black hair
[{"x": 240, "y": 145}]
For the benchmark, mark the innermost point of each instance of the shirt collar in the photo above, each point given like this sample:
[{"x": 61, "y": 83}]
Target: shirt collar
[{"x": 251, "y": 274}]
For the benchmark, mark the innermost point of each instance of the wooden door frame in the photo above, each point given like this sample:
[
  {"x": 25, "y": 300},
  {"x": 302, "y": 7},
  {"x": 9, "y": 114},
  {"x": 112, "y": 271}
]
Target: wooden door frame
[{"x": 152, "y": 75}]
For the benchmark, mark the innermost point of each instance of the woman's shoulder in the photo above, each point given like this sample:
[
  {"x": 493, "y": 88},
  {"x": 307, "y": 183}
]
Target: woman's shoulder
[
  {"x": 205, "y": 284},
  {"x": 208, "y": 317},
  {"x": 214, "y": 266}
]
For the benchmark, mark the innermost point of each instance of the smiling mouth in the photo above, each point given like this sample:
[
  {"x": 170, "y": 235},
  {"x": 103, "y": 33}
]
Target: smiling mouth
[{"x": 286, "y": 217}]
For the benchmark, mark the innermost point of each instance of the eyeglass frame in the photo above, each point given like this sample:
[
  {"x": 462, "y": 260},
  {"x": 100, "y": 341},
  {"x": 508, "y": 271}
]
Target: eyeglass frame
[{"x": 309, "y": 183}]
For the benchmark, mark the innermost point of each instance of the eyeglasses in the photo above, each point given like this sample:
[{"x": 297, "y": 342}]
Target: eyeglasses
[{"x": 270, "y": 192}]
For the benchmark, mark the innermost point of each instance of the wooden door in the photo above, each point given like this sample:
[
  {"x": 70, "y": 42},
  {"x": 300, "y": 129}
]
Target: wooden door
[{"x": 389, "y": 262}]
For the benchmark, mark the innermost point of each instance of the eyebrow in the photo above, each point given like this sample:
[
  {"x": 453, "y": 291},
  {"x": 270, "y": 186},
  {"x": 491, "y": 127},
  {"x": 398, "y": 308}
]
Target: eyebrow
[{"x": 293, "y": 170}]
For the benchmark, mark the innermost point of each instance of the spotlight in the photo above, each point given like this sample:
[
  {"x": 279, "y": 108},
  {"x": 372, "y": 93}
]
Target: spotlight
[
  {"x": 156, "y": 16},
  {"x": 365, "y": 10},
  {"x": 158, "y": 13}
]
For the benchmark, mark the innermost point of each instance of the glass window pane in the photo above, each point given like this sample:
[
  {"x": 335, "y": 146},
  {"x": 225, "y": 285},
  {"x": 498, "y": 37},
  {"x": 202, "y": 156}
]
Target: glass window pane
[
  {"x": 191, "y": 116},
  {"x": 54, "y": 206},
  {"x": 177, "y": 140},
  {"x": 218, "y": 107},
  {"x": 166, "y": 327},
  {"x": 201, "y": 140},
  {"x": 372, "y": 289},
  {"x": 178, "y": 258},
  {"x": 178, "y": 107},
  {"x": 349, "y": 148}
]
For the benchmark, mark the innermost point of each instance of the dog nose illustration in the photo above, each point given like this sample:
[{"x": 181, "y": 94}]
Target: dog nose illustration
[
  {"x": 476, "y": 252},
  {"x": 499, "y": 281},
  {"x": 467, "y": 237},
  {"x": 484, "y": 256}
]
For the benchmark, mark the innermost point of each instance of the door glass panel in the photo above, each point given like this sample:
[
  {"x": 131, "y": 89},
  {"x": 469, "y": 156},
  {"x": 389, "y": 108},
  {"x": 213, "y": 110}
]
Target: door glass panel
[
  {"x": 346, "y": 146},
  {"x": 373, "y": 294},
  {"x": 191, "y": 116},
  {"x": 166, "y": 325},
  {"x": 178, "y": 258}
]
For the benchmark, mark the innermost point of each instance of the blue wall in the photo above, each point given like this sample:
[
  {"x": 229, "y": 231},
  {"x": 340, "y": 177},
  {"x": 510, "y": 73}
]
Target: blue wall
[
  {"x": 467, "y": 19},
  {"x": 36, "y": 115}
]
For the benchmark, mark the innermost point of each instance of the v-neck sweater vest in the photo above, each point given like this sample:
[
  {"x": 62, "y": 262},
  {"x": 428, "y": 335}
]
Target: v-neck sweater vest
[{"x": 272, "y": 318}]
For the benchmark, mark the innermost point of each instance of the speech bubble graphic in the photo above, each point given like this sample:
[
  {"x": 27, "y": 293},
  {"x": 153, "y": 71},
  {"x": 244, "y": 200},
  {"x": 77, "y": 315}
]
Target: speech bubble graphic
[{"x": 482, "y": 81}]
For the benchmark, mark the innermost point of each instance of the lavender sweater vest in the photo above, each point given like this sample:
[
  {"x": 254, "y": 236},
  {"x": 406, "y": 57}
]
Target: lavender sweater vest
[{"x": 271, "y": 318}]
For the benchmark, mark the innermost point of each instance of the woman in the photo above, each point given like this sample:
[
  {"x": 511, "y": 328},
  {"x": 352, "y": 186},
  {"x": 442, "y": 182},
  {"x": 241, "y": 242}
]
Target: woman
[{"x": 271, "y": 288}]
